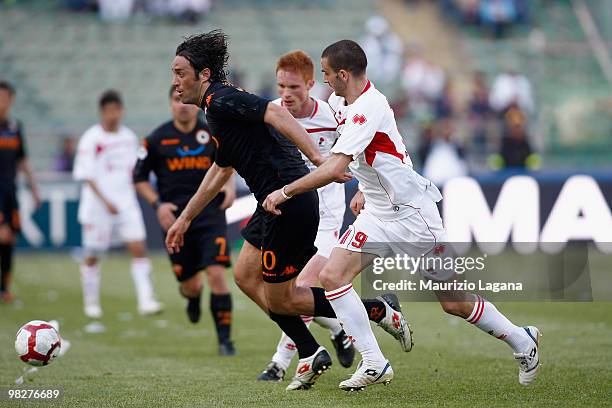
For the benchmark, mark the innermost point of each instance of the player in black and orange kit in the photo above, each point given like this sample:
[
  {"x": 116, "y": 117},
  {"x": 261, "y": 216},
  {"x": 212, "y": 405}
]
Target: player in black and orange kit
[
  {"x": 179, "y": 153},
  {"x": 12, "y": 159},
  {"x": 259, "y": 139}
]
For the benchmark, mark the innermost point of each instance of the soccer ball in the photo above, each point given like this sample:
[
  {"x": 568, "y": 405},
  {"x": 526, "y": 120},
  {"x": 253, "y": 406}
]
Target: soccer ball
[{"x": 38, "y": 343}]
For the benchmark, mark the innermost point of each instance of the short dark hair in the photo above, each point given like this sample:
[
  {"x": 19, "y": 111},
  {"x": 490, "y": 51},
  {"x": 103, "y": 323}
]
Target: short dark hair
[
  {"x": 110, "y": 96},
  {"x": 347, "y": 55},
  {"x": 6, "y": 85},
  {"x": 208, "y": 50}
]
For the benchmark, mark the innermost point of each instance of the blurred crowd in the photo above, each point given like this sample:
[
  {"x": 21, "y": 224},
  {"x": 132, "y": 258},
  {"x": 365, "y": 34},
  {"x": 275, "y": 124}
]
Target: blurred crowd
[
  {"x": 489, "y": 130},
  {"x": 190, "y": 11},
  {"x": 448, "y": 135},
  {"x": 495, "y": 16}
]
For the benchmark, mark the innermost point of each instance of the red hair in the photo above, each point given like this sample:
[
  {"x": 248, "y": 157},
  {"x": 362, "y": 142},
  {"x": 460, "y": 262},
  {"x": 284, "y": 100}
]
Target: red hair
[{"x": 297, "y": 61}]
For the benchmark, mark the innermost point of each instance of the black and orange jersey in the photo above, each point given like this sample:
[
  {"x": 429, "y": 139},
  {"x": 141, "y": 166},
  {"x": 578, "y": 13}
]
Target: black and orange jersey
[
  {"x": 180, "y": 161},
  {"x": 12, "y": 150},
  {"x": 259, "y": 153}
]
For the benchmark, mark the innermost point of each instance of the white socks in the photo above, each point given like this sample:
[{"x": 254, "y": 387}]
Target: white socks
[
  {"x": 333, "y": 325},
  {"x": 141, "y": 274},
  {"x": 285, "y": 350},
  {"x": 90, "y": 282},
  {"x": 487, "y": 318},
  {"x": 354, "y": 319}
]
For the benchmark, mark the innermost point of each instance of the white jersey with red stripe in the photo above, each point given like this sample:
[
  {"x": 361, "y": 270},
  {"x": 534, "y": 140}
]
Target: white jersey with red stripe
[
  {"x": 108, "y": 159},
  {"x": 321, "y": 126},
  {"x": 368, "y": 133}
]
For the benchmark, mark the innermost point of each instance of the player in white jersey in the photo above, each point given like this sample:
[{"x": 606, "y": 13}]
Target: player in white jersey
[
  {"x": 295, "y": 78},
  {"x": 104, "y": 161},
  {"x": 400, "y": 207}
]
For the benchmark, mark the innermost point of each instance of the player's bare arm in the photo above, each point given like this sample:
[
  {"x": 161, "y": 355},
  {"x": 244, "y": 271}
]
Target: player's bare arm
[
  {"x": 215, "y": 179},
  {"x": 24, "y": 165},
  {"x": 357, "y": 202},
  {"x": 146, "y": 191},
  {"x": 164, "y": 211},
  {"x": 334, "y": 169},
  {"x": 109, "y": 206},
  {"x": 211, "y": 185},
  {"x": 285, "y": 123},
  {"x": 229, "y": 189}
]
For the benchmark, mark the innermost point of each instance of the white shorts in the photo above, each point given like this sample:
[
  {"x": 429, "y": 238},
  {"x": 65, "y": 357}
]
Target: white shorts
[
  {"x": 331, "y": 216},
  {"x": 128, "y": 224},
  {"x": 421, "y": 233},
  {"x": 326, "y": 240}
]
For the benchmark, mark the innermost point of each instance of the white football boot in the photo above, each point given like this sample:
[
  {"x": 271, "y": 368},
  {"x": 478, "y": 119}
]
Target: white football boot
[
  {"x": 394, "y": 322},
  {"x": 529, "y": 361},
  {"x": 92, "y": 310},
  {"x": 365, "y": 376},
  {"x": 150, "y": 307},
  {"x": 309, "y": 369},
  {"x": 65, "y": 343}
]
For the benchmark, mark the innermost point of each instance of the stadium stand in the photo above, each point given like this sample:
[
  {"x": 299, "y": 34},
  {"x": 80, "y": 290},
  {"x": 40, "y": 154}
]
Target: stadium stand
[
  {"x": 60, "y": 61},
  {"x": 574, "y": 120}
]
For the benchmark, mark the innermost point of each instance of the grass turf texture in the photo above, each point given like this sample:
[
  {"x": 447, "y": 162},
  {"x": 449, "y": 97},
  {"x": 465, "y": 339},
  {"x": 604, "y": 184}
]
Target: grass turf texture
[{"x": 167, "y": 361}]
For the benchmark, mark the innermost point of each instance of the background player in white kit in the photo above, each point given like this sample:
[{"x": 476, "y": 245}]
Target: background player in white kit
[
  {"x": 295, "y": 78},
  {"x": 104, "y": 161},
  {"x": 400, "y": 207}
]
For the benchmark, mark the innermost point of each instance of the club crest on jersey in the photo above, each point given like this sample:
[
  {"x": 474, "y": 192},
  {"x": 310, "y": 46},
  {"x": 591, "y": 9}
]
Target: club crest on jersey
[
  {"x": 203, "y": 137},
  {"x": 142, "y": 153},
  {"x": 209, "y": 99},
  {"x": 359, "y": 119}
]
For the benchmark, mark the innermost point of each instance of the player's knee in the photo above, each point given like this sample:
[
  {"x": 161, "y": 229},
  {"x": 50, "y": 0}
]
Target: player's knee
[
  {"x": 216, "y": 279},
  {"x": 138, "y": 249},
  {"x": 308, "y": 277},
  {"x": 191, "y": 288},
  {"x": 241, "y": 280},
  {"x": 217, "y": 284},
  {"x": 244, "y": 280},
  {"x": 329, "y": 279},
  {"x": 90, "y": 260},
  {"x": 6, "y": 235}
]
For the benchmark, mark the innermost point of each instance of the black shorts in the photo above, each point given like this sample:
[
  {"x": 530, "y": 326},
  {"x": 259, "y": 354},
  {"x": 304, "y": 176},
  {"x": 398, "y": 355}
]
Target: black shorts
[
  {"x": 204, "y": 246},
  {"x": 9, "y": 208},
  {"x": 287, "y": 240}
]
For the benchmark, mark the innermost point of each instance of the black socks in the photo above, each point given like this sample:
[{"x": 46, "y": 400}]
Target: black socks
[
  {"x": 294, "y": 327},
  {"x": 322, "y": 307},
  {"x": 221, "y": 310},
  {"x": 375, "y": 308},
  {"x": 6, "y": 262}
]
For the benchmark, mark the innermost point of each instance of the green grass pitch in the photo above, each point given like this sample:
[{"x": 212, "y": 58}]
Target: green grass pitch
[{"x": 166, "y": 361}]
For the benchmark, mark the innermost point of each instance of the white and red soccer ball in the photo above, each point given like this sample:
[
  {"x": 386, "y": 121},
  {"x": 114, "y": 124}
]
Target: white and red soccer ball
[{"x": 38, "y": 343}]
